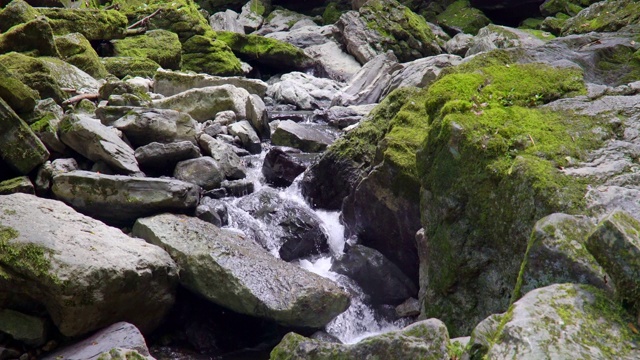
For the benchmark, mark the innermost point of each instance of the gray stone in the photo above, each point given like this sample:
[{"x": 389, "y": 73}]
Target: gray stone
[
  {"x": 306, "y": 92},
  {"x": 501, "y": 37},
  {"x": 427, "y": 339},
  {"x": 203, "y": 171},
  {"x": 237, "y": 188},
  {"x": 337, "y": 64},
  {"x": 303, "y": 137},
  {"x": 28, "y": 329},
  {"x": 224, "y": 155},
  {"x": 235, "y": 273},
  {"x": 96, "y": 142},
  {"x": 88, "y": 275},
  {"x": 281, "y": 165},
  {"x": 360, "y": 41},
  {"x": 420, "y": 73},
  {"x": 280, "y": 20},
  {"x": 169, "y": 83},
  {"x": 145, "y": 126},
  {"x": 226, "y": 21},
  {"x": 257, "y": 114},
  {"x": 127, "y": 198},
  {"x": 69, "y": 76},
  {"x": 410, "y": 307},
  {"x": 459, "y": 44},
  {"x": 249, "y": 17},
  {"x": 20, "y": 184},
  {"x": 225, "y": 118},
  {"x": 344, "y": 116},
  {"x": 306, "y": 36},
  {"x": 164, "y": 157},
  {"x": 248, "y": 136},
  {"x": 120, "y": 335},
  {"x": 213, "y": 211}
]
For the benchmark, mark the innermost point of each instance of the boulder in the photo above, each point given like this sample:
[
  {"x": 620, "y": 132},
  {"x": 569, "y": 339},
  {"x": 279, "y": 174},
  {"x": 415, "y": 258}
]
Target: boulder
[
  {"x": 247, "y": 135},
  {"x": 281, "y": 20},
  {"x": 35, "y": 74},
  {"x": 18, "y": 96},
  {"x": 337, "y": 64},
  {"x": 33, "y": 38},
  {"x": 294, "y": 231},
  {"x": 89, "y": 275},
  {"x": 16, "y": 12},
  {"x": 120, "y": 335},
  {"x": 213, "y": 211},
  {"x": 21, "y": 150},
  {"x": 169, "y": 83},
  {"x": 97, "y": 142},
  {"x": 609, "y": 16},
  {"x": 360, "y": 41},
  {"x": 69, "y": 76},
  {"x": 237, "y": 274},
  {"x": 162, "y": 158},
  {"x": 306, "y": 36},
  {"x": 27, "y": 329},
  {"x": 459, "y": 44},
  {"x": 410, "y": 307},
  {"x": 122, "y": 66},
  {"x": 237, "y": 188},
  {"x": 281, "y": 166},
  {"x": 226, "y": 21},
  {"x": 204, "y": 103},
  {"x": 562, "y": 321},
  {"x": 205, "y": 54},
  {"x": 20, "y": 184},
  {"x": 378, "y": 277},
  {"x": 230, "y": 163},
  {"x": 306, "y": 92},
  {"x": 128, "y": 198},
  {"x": 502, "y": 37},
  {"x": 303, "y": 137},
  {"x": 344, "y": 116},
  {"x": 251, "y": 16},
  {"x": 420, "y": 73},
  {"x": 461, "y": 17},
  {"x": 144, "y": 126},
  {"x": 203, "y": 171},
  {"x": 159, "y": 45},
  {"x": 94, "y": 24},
  {"x": 76, "y": 50},
  {"x": 427, "y": 339}
]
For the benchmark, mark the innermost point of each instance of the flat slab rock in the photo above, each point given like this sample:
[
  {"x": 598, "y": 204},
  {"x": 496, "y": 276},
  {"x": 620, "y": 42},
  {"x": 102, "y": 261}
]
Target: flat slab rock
[
  {"x": 236, "y": 273},
  {"x": 87, "y": 275}
]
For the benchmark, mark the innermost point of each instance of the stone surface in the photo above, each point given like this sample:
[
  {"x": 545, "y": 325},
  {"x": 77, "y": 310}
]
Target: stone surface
[
  {"x": 248, "y": 136},
  {"x": 360, "y": 41},
  {"x": 27, "y": 329},
  {"x": 230, "y": 163},
  {"x": 303, "y": 137},
  {"x": 77, "y": 50},
  {"x": 203, "y": 171},
  {"x": 163, "y": 158},
  {"x": 128, "y": 198},
  {"x": 226, "y": 21},
  {"x": 237, "y": 274},
  {"x": 306, "y": 92},
  {"x": 145, "y": 126},
  {"x": 159, "y": 45},
  {"x": 21, "y": 149},
  {"x": 18, "y": 96},
  {"x": 420, "y": 73},
  {"x": 94, "y": 24},
  {"x": 20, "y": 184},
  {"x": 34, "y": 38},
  {"x": 169, "y": 83},
  {"x": 502, "y": 37},
  {"x": 89, "y": 275},
  {"x": 281, "y": 166},
  {"x": 337, "y": 64},
  {"x": 16, "y": 12}
]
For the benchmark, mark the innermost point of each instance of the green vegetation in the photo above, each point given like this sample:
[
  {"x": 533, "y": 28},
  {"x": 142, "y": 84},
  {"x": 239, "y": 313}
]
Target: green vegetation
[
  {"x": 607, "y": 16},
  {"x": 460, "y": 15},
  {"x": 161, "y": 46},
  {"x": 121, "y": 66},
  {"x": 76, "y": 50},
  {"x": 204, "y": 54},
  {"x": 23, "y": 258},
  {"x": 94, "y": 24}
]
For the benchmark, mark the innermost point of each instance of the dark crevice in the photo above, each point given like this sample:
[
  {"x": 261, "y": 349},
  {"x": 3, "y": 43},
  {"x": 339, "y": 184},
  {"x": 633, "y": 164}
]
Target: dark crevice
[{"x": 513, "y": 15}]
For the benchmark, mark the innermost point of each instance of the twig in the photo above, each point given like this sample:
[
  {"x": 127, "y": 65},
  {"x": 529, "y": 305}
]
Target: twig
[
  {"x": 69, "y": 90},
  {"x": 144, "y": 19},
  {"x": 113, "y": 7},
  {"x": 531, "y": 138},
  {"x": 77, "y": 98}
]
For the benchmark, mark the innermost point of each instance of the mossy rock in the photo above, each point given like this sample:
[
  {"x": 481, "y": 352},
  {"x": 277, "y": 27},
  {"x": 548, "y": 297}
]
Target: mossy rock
[
  {"x": 618, "y": 64},
  {"x": 35, "y": 74},
  {"x": 461, "y": 17},
  {"x": 33, "y": 38},
  {"x": 75, "y": 49},
  {"x": 19, "y": 96},
  {"x": 15, "y": 13},
  {"x": 402, "y": 30},
  {"x": 554, "y": 24},
  {"x": 266, "y": 51},
  {"x": 20, "y": 184},
  {"x": 161, "y": 46},
  {"x": 571, "y": 7},
  {"x": 605, "y": 16},
  {"x": 490, "y": 168},
  {"x": 204, "y": 54},
  {"x": 94, "y": 24},
  {"x": 531, "y": 23},
  {"x": 121, "y": 66},
  {"x": 332, "y": 13}
]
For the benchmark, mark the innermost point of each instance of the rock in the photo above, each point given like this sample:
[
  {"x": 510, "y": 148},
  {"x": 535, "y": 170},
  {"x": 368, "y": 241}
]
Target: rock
[
  {"x": 344, "y": 116},
  {"x": 209, "y": 55},
  {"x": 212, "y": 211},
  {"x": 16, "y": 12},
  {"x": 69, "y": 76},
  {"x": 20, "y": 184},
  {"x": 76, "y": 50},
  {"x": 122, "y": 66},
  {"x": 615, "y": 245},
  {"x": 411, "y": 307},
  {"x": 78, "y": 283},
  {"x": 368, "y": 85},
  {"x": 281, "y": 166},
  {"x": 237, "y": 188},
  {"x": 169, "y": 83},
  {"x": 128, "y": 198},
  {"x": 49, "y": 169},
  {"x": 378, "y": 277},
  {"x": 237, "y": 274},
  {"x": 248, "y": 136},
  {"x": 203, "y": 171},
  {"x": 562, "y": 321},
  {"x": 337, "y": 64},
  {"x": 251, "y": 16},
  {"x": 557, "y": 254},
  {"x": 120, "y": 354},
  {"x": 34, "y": 38},
  {"x": 420, "y": 73},
  {"x": 145, "y": 126},
  {"x": 306, "y": 36},
  {"x": 204, "y": 103},
  {"x": 360, "y": 41},
  {"x": 120, "y": 335},
  {"x": 96, "y": 142},
  {"x": 460, "y": 17},
  {"x": 163, "y": 158},
  {"x": 501, "y": 37},
  {"x": 306, "y": 92},
  {"x": 257, "y": 114},
  {"x": 27, "y": 329},
  {"x": 6, "y": 353},
  {"x": 35, "y": 74},
  {"x": 459, "y": 44},
  {"x": 427, "y": 339},
  {"x": 94, "y": 24},
  {"x": 305, "y": 138},
  {"x": 226, "y": 21},
  {"x": 21, "y": 150},
  {"x": 159, "y": 45},
  {"x": 280, "y": 20},
  {"x": 611, "y": 16},
  {"x": 230, "y": 163},
  {"x": 293, "y": 230},
  {"x": 18, "y": 96}
]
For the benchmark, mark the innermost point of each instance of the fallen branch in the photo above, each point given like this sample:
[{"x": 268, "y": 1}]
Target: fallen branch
[
  {"x": 69, "y": 90},
  {"x": 78, "y": 98},
  {"x": 143, "y": 20}
]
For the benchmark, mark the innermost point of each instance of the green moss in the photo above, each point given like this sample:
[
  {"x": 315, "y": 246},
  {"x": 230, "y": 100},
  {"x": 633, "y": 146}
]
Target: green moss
[
  {"x": 257, "y": 7},
  {"x": 35, "y": 74},
  {"x": 619, "y": 64},
  {"x": 15, "y": 13},
  {"x": 207, "y": 55},
  {"x": 160, "y": 46},
  {"x": 531, "y": 23},
  {"x": 20, "y": 97},
  {"x": 34, "y": 38},
  {"x": 94, "y": 24},
  {"x": 460, "y": 15},
  {"x": 28, "y": 259},
  {"x": 542, "y": 35},
  {"x": 76, "y": 50},
  {"x": 608, "y": 16},
  {"x": 44, "y": 124},
  {"x": 121, "y": 66},
  {"x": 331, "y": 14}
]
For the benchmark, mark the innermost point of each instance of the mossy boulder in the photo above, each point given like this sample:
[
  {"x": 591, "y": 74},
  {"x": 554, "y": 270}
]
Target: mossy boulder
[
  {"x": 570, "y": 7},
  {"x": 490, "y": 167},
  {"x": 554, "y": 24},
  {"x": 266, "y": 51},
  {"x": 21, "y": 184},
  {"x": 618, "y": 64},
  {"x": 34, "y": 73},
  {"x": 604, "y": 16},
  {"x": 94, "y": 24},
  {"x": 75, "y": 49},
  {"x": 402, "y": 30},
  {"x": 19, "y": 96},
  {"x": 32, "y": 38},
  {"x": 121, "y": 66},
  {"x": 161, "y": 46},
  {"x": 15, "y": 13},
  {"x": 461, "y": 17},
  {"x": 204, "y": 54}
]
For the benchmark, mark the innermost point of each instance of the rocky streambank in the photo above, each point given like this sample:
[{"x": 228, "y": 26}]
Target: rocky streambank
[{"x": 328, "y": 179}]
